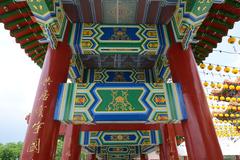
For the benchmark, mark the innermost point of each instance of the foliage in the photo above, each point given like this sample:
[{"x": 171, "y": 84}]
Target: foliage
[{"x": 10, "y": 151}]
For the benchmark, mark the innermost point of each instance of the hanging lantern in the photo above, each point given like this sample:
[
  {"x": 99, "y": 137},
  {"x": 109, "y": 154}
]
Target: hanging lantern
[
  {"x": 223, "y": 107},
  {"x": 228, "y": 99},
  {"x": 205, "y": 83},
  {"x": 219, "y": 85},
  {"x": 238, "y": 88},
  {"x": 211, "y": 97},
  {"x": 226, "y": 115},
  {"x": 231, "y": 40},
  {"x": 210, "y": 67},
  {"x": 234, "y": 70},
  {"x": 227, "y": 69},
  {"x": 225, "y": 86},
  {"x": 202, "y": 65},
  {"x": 220, "y": 115},
  {"x": 222, "y": 98},
  {"x": 216, "y": 98},
  {"x": 232, "y": 115},
  {"x": 233, "y": 99},
  {"x": 218, "y": 68},
  {"x": 212, "y": 85},
  {"x": 215, "y": 115},
  {"x": 232, "y": 87}
]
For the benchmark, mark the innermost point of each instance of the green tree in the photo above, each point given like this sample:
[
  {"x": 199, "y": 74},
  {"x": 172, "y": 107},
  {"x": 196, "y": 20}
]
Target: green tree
[{"x": 10, "y": 151}]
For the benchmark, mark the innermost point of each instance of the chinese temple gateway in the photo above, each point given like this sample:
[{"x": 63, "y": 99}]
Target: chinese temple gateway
[{"x": 131, "y": 66}]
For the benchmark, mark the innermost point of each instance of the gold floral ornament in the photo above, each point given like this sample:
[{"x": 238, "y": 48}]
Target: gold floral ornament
[{"x": 119, "y": 102}]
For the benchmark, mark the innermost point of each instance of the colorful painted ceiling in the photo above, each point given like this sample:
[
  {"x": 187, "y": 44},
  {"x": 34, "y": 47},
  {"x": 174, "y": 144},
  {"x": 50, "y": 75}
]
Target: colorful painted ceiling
[
  {"x": 18, "y": 18},
  {"x": 120, "y": 11}
]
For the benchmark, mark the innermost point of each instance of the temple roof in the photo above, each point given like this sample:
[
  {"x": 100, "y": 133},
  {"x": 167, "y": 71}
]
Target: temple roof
[
  {"x": 220, "y": 19},
  {"x": 17, "y": 17}
]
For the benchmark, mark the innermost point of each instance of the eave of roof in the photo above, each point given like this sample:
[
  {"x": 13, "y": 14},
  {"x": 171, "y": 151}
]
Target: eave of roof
[
  {"x": 220, "y": 19},
  {"x": 17, "y": 17}
]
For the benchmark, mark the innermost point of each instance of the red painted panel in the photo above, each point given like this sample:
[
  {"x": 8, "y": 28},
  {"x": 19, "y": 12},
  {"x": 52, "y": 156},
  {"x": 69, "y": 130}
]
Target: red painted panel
[
  {"x": 166, "y": 14},
  {"x": 140, "y": 11},
  {"x": 98, "y": 10},
  {"x": 71, "y": 12},
  {"x": 152, "y": 12},
  {"x": 86, "y": 11}
]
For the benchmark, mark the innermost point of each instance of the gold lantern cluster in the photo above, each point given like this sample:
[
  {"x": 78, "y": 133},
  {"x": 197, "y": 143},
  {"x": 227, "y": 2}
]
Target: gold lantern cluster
[
  {"x": 221, "y": 85},
  {"x": 223, "y": 98},
  {"x": 218, "y": 68}
]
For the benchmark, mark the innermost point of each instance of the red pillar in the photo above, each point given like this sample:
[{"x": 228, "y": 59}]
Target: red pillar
[
  {"x": 42, "y": 133},
  {"x": 71, "y": 147},
  {"x": 144, "y": 157},
  {"x": 169, "y": 147},
  {"x": 161, "y": 153},
  {"x": 201, "y": 139},
  {"x": 237, "y": 157}
]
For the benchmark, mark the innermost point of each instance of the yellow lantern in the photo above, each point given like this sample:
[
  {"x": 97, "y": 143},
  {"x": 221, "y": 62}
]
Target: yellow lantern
[
  {"x": 238, "y": 88},
  {"x": 202, "y": 65},
  {"x": 231, "y": 40},
  {"x": 234, "y": 108},
  {"x": 218, "y": 68},
  {"x": 215, "y": 115},
  {"x": 225, "y": 86},
  {"x": 219, "y": 85},
  {"x": 216, "y": 98},
  {"x": 210, "y": 67},
  {"x": 233, "y": 99},
  {"x": 229, "y": 107},
  {"x": 234, "y": 121},
  {"x": 228, "y": 99},
  {"x": 220, "y": 115},
  {"x": 237, "y": 115},
  {"x": 232, "y": 115},
  {"x": 238, "y": 108},
  {"x": 205, "y": 83},
  {"x": 211, "y": 97},
  {"x": 223, "y": 107},
  {"x": 212, "y": 85},
  {"x": 232, "y": 87},
  {"x": 226, "y": 115},
  {"x": 234, "y": 70},
  {"x": 227, "y": 69},
  {"x": 222, "y": 98}
]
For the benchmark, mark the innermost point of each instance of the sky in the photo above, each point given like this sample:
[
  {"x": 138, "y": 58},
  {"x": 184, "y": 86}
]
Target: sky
[
  {"x": 18, "y": 84},
  {"x": 20, "y": 76}
]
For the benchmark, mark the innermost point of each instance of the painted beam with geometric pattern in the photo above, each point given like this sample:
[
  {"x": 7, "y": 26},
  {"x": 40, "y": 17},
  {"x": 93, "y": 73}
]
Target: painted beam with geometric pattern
[
  {"x": 115, "y": 138},
  {"x": 96, "y": 39},
  {"x": 120, "y": 102}
]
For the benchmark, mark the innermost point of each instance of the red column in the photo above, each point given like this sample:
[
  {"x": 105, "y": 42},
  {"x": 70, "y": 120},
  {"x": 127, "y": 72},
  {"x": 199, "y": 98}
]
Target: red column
[
  {"x": 237, "y": 157},
  {"x": 144, "y": 157},
  {"x": 42, "y": 133},
  {"x": 201, "y": 139},
  {"x": 169, "y": 146},
  {"x": 161, "y": 153},
  {"x": 71, "y": 147}
]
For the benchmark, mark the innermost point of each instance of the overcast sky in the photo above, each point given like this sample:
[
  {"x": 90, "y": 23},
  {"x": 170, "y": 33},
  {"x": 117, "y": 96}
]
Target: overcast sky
[
  {"x": 18, "y": 83},
  {"x": 19, "y": 80}
]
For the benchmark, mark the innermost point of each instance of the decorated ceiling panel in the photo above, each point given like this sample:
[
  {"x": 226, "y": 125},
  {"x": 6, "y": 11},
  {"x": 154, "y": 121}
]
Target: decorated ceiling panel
[
  {"x": 120, "y": 102},
  {"x": 115, "y": 138},
  {"x": 120, "y": 11}
]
